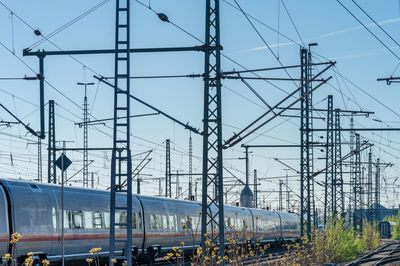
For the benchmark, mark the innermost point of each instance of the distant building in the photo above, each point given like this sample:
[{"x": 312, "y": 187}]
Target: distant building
[{"x": 246, "y": 197}]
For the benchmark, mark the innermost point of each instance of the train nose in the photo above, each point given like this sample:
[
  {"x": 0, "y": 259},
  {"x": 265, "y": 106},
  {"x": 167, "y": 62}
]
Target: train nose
[{"x": 4, "y": 234}]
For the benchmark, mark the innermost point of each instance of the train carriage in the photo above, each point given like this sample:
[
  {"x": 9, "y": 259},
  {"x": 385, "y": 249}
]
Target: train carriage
[{"x": 159, "y": 224}]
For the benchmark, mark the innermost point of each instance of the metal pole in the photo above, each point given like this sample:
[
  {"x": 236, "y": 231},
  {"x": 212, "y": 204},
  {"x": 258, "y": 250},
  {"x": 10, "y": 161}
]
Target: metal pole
[
  {"x": 62, "y": 209},
  {"x": 138, "y": 185},
  {"x": 92, "y": 183},
  {"x": 41, "y": 92},
  {"x": 287, "y": 192},
  {"x": 330, "y": 205},
  {"x": 377, "y": 192},
  {"x": 255, "y": 189},
  {"x": 247, "y": 165},
  {"x": 280, "y": 196},
  {"x": 40, "y": 165},
  {"x": 177, "y": 185},
  {"x": 338, "y": 178}
]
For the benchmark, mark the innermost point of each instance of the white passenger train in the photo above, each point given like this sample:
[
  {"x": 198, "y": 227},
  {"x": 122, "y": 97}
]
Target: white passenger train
[{"x": 33, "y": 210}]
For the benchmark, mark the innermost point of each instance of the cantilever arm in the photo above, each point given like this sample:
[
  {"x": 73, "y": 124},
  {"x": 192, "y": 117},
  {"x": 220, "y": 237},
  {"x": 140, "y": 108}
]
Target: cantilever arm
[{"x": 187, "y": 126}]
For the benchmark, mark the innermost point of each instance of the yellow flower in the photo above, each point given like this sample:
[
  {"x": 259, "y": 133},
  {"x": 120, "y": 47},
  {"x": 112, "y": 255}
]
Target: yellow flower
[
  {"x": 89, "y": 260},
  {"x": 114, "y": 261},
  {"x": 95, "y": 250},
  {"x": 28, "y": 261},
  {"x": 45, "y": 262},
  {"x": 182, "y": 243},
  {"x": 125, "y": 262},
  {"x": 7, "y": 257},
  {"x": 30, "y": 254}
]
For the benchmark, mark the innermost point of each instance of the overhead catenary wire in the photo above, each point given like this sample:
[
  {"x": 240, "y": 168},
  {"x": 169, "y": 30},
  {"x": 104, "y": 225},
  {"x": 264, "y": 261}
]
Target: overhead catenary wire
[
  {"x": 68, "y": 24},
  {"x": 374, "y": 35}
]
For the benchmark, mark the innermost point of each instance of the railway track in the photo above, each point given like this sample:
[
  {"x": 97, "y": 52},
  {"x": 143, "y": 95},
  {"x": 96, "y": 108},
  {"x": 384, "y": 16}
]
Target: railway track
[{"x": 388, "y": 254}]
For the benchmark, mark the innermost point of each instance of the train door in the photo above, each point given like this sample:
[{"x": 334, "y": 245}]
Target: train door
[
  {"x": 137, "y": 223},
  {"x": 4, "y": 226},
  {"x": 56, "y": 222}
]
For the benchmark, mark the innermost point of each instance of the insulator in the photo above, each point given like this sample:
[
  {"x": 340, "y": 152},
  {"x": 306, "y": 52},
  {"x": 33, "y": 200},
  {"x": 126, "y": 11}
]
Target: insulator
[
  {"x": 37, "y": 32},
  {"x": 163, "y": 17}
]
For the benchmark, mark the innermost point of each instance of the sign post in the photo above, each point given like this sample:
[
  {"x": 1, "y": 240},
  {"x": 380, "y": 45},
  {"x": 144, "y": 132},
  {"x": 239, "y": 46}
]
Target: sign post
[{"x": 63, "y": 162}]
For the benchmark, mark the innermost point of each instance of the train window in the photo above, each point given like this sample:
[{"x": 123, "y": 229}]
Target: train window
[
  {"x": 182, "y": 222},
  {"x": 153, "y": 221},
  {"x": 159, "y": 222},
  {"x": 171, "y": 222},
  {"x": 195, "y": 222},
  {"x": 188, "y": 223},
  {"x": 121, "y": 218},
  {"x": 76, "y": 220},
  {"x": 133, "y": 220},
  {"x": 164, "y": 222},
  {"x": 54, "y": 218},
  {"x": 66, "y": 220},
  {"x": 140, "y": 220},
  {"x": 106, "y": 220},
  {"x": 97, "y": 220},
  {"x": 88, "y": 220}
]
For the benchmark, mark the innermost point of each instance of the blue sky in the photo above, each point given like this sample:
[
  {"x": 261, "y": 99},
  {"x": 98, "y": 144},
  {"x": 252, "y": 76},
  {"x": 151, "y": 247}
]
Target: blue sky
[{"x": 360, "y": 58}]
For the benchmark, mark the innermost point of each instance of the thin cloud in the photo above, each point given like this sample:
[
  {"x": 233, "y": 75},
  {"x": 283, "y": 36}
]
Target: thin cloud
[{"x": 329, "y": 34}]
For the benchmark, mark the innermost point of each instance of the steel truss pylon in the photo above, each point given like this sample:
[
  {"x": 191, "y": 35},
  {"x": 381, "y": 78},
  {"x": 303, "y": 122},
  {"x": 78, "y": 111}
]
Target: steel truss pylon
[
  {"x": 212, "y": 182},
  {"x": 121, "y": 160},
  {"x": 352, "y": 170},
  {"x": 369, "y": 187},
  {"x": 168, "y": 188},
  {"x": 191, "y": 197},
  {"x": 339, "y": 207},
  {"x": 357, "y": 190},
  {"x": 377, "y": 206},
  {"x": 85, "y": 170},
  {"x": 307, "y": 208},
  {"x": 51, "y": 154},
  {"x": 329, "y": 206}
]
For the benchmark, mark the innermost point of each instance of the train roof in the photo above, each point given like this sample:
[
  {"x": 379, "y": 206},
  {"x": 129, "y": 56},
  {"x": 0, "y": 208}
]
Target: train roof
[{"x": 44, "y": 186}]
